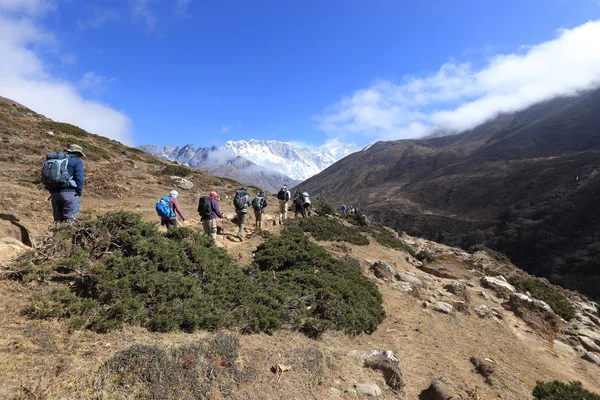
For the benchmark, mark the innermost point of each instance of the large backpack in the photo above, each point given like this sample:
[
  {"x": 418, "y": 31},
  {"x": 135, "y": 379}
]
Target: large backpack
[
  {"x": 282, "y": 194},
  {"x": 257, "y": 203},
  {"x": 163, "y": 208},
  {"x": 205, "y": 207},
  {"x": 239, "y": 200},
  {"x": 55, "y": 173}
]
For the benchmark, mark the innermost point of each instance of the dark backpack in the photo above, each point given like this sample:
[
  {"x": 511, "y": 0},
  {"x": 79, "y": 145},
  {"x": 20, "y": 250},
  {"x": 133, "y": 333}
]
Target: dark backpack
[
  {"x": 257, "y": 203},
  {"x": 163, "y": 208},
  {"x": 205, "y": 207},
  {"x": 55, "y": 174},
  {"x": 282, "y": 194},
  {"x": 239, "y": 199}
]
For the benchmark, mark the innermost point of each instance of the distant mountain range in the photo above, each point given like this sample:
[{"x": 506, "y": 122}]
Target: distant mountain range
[
  {"x": 526, "y": 184},
  {"x": 267, "y": 164}
]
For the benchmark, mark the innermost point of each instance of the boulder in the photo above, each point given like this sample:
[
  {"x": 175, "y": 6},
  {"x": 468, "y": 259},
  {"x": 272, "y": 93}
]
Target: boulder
[
  {"x": 482, "y": 310},
  {"x": 520, "y": 299},
  {"x": 363, "y": 355},
  {"x": 443, "y": 307},
  {"x": 368, "y": 389},
  {"x": 438, "y": 390},
  {"x": 591, "y": 357},
  {"x": 595, "y": 336},
  {"x": 589, "y": 344},
  {"x": 563, "y": 347},
  {"x": 458, "y": 288},
  {"x": 499, "y": 285},
  {"x": 383, "y": 270},
  {"x": 409, "y": 277},
  {"x": 182, "y": 183},
  {"x": 585, "y": 306}
]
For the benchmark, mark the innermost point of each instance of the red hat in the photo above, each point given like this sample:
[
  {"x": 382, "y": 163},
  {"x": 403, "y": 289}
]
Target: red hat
[{"x": 213, "y": 195}]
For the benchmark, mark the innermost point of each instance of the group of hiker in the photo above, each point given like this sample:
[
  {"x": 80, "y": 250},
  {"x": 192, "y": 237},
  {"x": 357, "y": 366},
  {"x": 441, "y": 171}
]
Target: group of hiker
[{"x": 63, "y": 176}]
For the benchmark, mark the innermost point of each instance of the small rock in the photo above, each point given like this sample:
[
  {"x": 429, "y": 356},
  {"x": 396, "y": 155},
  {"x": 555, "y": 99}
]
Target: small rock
[
  {"x": 368, "y": 389},
  {"x": 456, "y": 288},
  {"x": 403, "y": 287},
  {"x": 591, "y": 357},
  {"x": 363, "y": 355},
  {"x": 438, "y": 390},
  {"x": 443, "y": 307},
  {"x": 483, "y": 294},
  {"x": 563, "y": 347},
  {"x": 50, "y": 133},
  {"x": 589, "y": 344},
  {"x": 482, "y": 310},
  {"x": 334, "y": 391},
  {"x": 595, "y": 336},
  {"x": 383, "y": 270}
]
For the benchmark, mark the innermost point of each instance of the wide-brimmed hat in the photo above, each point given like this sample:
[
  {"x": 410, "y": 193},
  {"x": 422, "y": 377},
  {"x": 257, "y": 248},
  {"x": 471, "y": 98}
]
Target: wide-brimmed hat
[{"x": 75, "y": 148}]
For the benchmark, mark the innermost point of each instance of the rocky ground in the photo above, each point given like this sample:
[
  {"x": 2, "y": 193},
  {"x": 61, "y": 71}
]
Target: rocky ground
[{"x": 450, "y": 329}]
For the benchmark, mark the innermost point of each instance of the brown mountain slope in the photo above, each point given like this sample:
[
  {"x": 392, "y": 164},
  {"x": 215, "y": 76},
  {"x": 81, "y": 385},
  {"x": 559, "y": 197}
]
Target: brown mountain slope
[
  {"x": 524, "y": 184},
  {"x": 43, "y": 359}
]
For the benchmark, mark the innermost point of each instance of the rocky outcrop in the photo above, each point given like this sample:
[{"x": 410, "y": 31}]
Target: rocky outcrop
[
  {"x": 498, "y": 284},
  {"x": 383, "y": 270}
]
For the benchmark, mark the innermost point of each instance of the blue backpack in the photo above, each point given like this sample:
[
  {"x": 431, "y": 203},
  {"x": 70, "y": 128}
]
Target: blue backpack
[
  {"x": 55, "y": 174},
  {"x": 163, "y": 208}
]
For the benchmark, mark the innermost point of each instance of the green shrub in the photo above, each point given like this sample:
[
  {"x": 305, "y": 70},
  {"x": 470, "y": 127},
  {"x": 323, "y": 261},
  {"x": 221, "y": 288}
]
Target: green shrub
[
  {"x": 65, "y": 128},
  {"x": 122, "y": 270},
  {"x": 323, "y": 208},
  {"x": 386, "y": 238},
  {"x": 177, "y": 170},
  {"x": 542, "y": 291},
  {"x": 425, "y": 256},
  {"x": 498, "y": 256},
  {"x": 324, "y": 228},
  {"x": 317, "y": 291},
  {"x": 88, "y": 149},
  {"x": 562, "y": 391}
]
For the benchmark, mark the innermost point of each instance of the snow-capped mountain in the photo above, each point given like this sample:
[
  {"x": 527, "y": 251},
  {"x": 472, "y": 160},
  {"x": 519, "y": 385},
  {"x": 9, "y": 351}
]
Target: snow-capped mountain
[
  {"x": 297, "y": 162},
  {"x": 289, "y": 164}
]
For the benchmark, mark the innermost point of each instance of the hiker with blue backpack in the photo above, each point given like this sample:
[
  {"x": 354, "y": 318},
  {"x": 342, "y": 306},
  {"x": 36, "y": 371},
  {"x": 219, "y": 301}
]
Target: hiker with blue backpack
[
  {"x": 208, "y": 208},
  {"x": 241, "y": 202},
  {"x": 167, "y": 209},
  {"x": 63, "y": 176},
  {"x": 258, "y": 204}
]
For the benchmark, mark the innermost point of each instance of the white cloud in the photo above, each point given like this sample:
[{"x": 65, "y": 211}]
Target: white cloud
[
  {"x": 98, "y": 18},
  {"x": 141, "y": 11},
  {"x": 30, "y": 7},
  {"x": 459, "y": 97},
  {"x": 24, "y": 78},
  {"x": 225, "y": 128},
  {"x": 93, "y": 82}
]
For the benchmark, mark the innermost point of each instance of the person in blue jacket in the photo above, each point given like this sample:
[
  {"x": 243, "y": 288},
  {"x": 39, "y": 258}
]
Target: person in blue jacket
[{"x": 66, "y": 200}]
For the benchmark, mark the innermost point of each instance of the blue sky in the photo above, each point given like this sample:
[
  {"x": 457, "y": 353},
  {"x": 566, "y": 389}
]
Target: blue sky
[{"x": 204, "y": 72}]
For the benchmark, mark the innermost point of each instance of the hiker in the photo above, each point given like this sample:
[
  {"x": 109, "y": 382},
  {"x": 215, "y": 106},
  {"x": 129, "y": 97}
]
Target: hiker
[
  {"x": 241, "y": 201},
  {"x": 170, "y": 221},
  {"x": 208, "y": 208},
  {"x": 283, "y": 196},
  {"x": 63, "y": 176},
  {"x": 299, "y": 204},
  {"x": 259, "y": 203},
  {"x": 306, "y": 204},
  {"x": 344, "y": 210}
]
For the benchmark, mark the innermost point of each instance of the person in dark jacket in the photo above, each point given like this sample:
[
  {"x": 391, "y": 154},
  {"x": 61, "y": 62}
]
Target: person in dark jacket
[
  {"x": 242, "y": 213},
  {"x": 259, "y": 203},
  {"x": 66, "y": 201},
  {"x": 171, "y": 222},
  {"x": 299, "y": 204},
  {"x": 210, "y": 223}
]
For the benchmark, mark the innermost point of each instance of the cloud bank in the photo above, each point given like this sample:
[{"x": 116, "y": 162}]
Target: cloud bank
[
  {"x": 25, "y": 78},
  {"x": 460, "y": 97}
]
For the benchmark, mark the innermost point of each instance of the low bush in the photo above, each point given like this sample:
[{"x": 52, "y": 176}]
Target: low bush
[
  {"x": 386, "y": 238},
  {"x": 176, "y": 170},
  {"x": 323, "y": 208},
  {"x": 425, "y": 256},
  {"x": 94, "y": 152},
  {"x": 317, "y": 291},
  {"x": 119, "y": 270},
  {"x": 325, "y": 228},
  {"x": 562, "y": 391},
  {"x": 204, "y": 370},
  {"x": 65, "y": 128},
  {"x": 542, "y": 291}
]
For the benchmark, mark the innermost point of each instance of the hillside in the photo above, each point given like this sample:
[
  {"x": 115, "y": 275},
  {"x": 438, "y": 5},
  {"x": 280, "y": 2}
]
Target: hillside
[
  {"x": 524, "y": 184},
  {"x": 444, "y": 317}
]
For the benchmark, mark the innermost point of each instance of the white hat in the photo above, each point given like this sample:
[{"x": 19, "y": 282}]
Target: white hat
[{"x": 173, "y": 193}]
